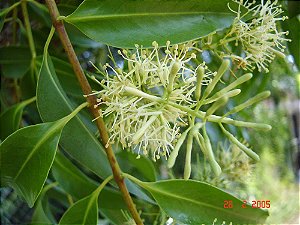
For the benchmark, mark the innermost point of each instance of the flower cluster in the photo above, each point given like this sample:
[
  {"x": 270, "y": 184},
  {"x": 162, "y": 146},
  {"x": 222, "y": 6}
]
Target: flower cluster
[
  {"x": 260, "y": 39},
  {"x": 137, "y": 99},
  {"x": 162, "y": 91},
  {"x": 146, "y": 105},
  {"x": 237, "y": 168}
]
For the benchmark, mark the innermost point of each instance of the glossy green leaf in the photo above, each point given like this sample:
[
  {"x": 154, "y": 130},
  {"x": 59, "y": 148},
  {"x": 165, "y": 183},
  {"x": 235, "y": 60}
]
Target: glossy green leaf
[
  {"x": 71, "y": 179},
  {"x": 77, "y": 139},
  {"x": 77, "y": 184},
  {"x": 15, "y": 61},
  {"x": 78, "y": 39},
  {"x": 10, "y": 119},
  {"x": 195, "y": 203},
  {"x": 142, "y": 22},
  {"x": 39, "y": 216},
  {"x": 137, "y": 191},
  {"x": 83, "y": 212},
  {"x": 28, "y": 85},
  {"x": 27, "y": 155},
  {"x": 142, "y": 168},
  {"x": 66, "y": 76}
]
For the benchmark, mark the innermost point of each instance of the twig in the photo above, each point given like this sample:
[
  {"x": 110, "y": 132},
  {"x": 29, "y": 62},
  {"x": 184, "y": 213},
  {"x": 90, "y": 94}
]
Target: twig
[{"x": 86, "y": 88}]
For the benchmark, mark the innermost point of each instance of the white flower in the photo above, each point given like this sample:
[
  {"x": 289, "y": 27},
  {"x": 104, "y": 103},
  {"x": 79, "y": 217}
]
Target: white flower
[
  {"x": 144, "y": 124},
  {"x": 259, "y": 37}
]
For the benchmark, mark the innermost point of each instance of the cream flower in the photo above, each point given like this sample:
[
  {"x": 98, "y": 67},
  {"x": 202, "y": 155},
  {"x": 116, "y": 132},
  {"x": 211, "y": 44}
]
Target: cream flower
[
  {"x": 157, "y": 92},
  {"x": 133, "y": 119},
  {"x": 259, "y": 37}
]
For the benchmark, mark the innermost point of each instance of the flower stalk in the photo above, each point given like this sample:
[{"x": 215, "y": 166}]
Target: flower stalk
[{"x": 199, "y": 114}]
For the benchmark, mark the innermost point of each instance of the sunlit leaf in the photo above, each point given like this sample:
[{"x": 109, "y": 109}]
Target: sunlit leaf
[
  {"x": 66, "y": 76},
  {"x": 77, "y": 184},
  {"x": 195, "y": 203},
  {"x": 39, "y": 216},
  {"x": 27, "y": 155},
  {"x": 77, "y": 139},
  {"x": 83, "y": 212},
  {"x": 126, "y": 23},
  {"x": 142, "y": 167}
]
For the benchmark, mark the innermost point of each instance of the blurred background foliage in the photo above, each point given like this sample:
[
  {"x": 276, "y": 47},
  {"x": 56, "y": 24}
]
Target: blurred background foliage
[{"x": 275, "y": 177}]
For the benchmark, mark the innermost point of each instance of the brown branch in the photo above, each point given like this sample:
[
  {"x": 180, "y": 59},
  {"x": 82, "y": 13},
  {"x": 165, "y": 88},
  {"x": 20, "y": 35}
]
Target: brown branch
[{"x": 86, "y": 88}]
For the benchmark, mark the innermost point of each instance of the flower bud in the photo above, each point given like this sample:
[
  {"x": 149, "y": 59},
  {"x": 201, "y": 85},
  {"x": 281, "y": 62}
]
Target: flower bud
[
  {"x": 141, "y": 131},
  {"x": 210, "y": 156},
  {"x": 218, "y": 96},
  {"x": 257, "y": 98},
  {"x": 221, "y": 102},
  {"x": 237, "y": 82},
  {"x": 200, "y": 75},
  {"x": 174, "y": 153},
  {"x": 187, "y": 167},
  {"x": 175, "y": 67},
  {"x": 224, "y": 66},
  {"x": 235, "y": 141}
]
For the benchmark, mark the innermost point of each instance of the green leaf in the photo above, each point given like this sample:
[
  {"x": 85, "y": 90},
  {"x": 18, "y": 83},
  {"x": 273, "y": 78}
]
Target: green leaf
[
  {"x": 142, "y": 168},
  {"x": 194, "y": 202},
  {"x": 77, "y": 139},
  {"x": 10, "y": 119},
  {"x": 83, "y": 212},
  {"x": 28, "y": 85},
  {"x": 39, "y": 216},
  {"x": 78, "y": 39},
  {"x": 40, "y": 13},
  {"x": 142, "y": 22},
  {"x": 71, "y": 179},
  {"x": 27, "y": 155},
  {"x": 15, "y": 61},
  {"x": 137, "y": 191},
  {"x": 66, "y": 76},
  {"x": 77, "y": 184}
]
